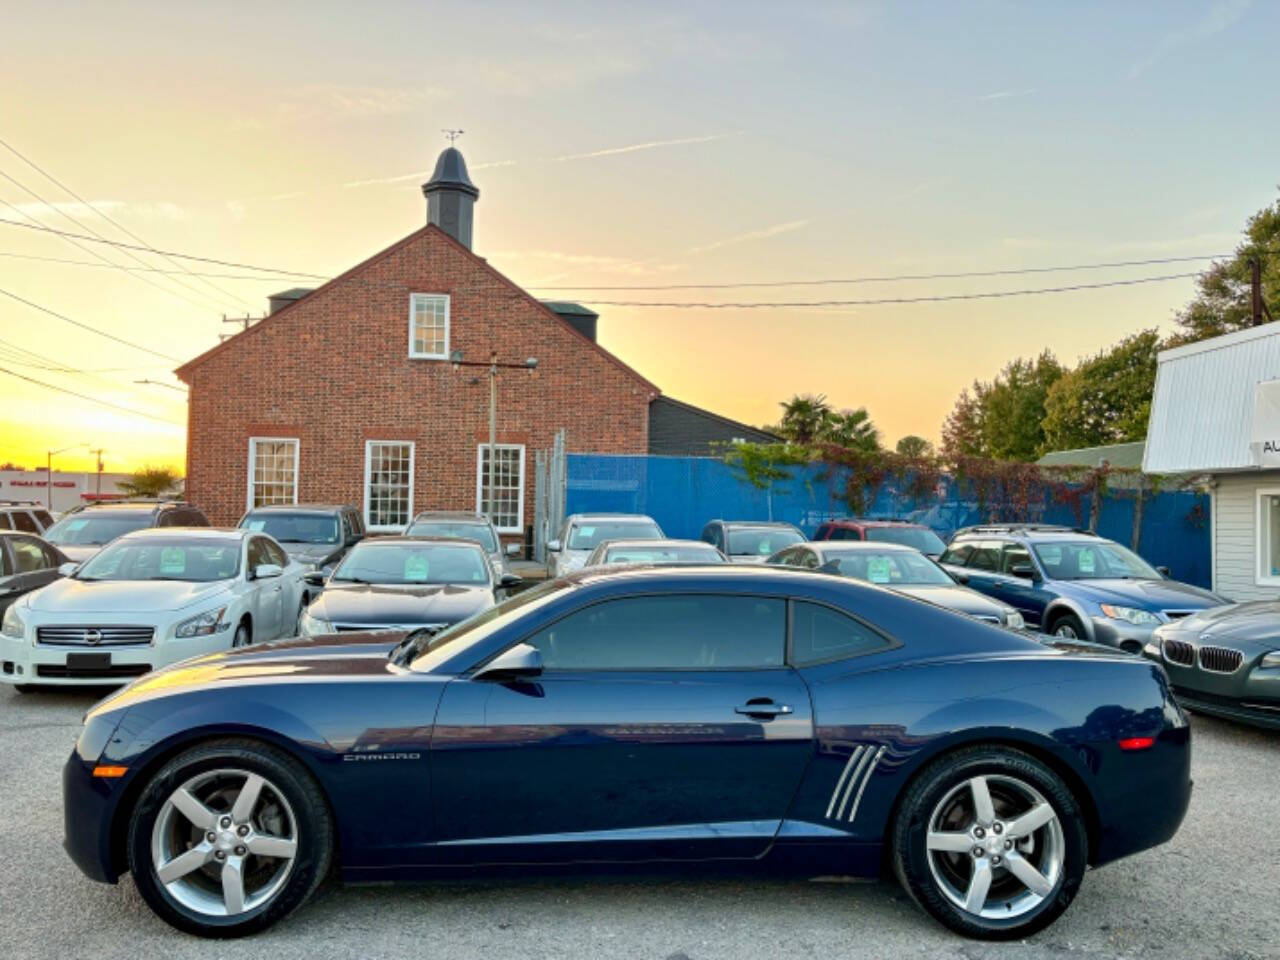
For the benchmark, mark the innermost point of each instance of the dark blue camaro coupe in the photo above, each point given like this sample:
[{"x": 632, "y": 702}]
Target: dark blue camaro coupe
[{"x": 748, "y": 716}]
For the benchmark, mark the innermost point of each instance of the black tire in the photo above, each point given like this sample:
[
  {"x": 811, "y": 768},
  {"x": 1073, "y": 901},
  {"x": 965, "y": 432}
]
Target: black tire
[
  {"x": 1071, "y": 622},
  {"x": 910, "y": 856},
  {"x": 243, "y": 635},
  {"x": 315, "y": 835}
]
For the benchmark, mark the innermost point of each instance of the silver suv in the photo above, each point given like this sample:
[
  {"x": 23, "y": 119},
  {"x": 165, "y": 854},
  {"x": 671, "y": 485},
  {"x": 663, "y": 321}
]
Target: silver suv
[{"x": 26, "y": 516}]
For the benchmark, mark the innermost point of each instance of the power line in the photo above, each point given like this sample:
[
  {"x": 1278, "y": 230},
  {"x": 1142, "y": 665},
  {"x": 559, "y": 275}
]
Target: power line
[
  {"x": 904, "y": 276},
  {"x": 99, "y": 237},
  {"x": 97, "y": 400},
  {"x": 123, "y": 229},
  {"x": 171, "y": 253},
  {"x": 989, "y": 295},
  {"x": 85, "y": 326},
  {"x": 121, "y": 266}
]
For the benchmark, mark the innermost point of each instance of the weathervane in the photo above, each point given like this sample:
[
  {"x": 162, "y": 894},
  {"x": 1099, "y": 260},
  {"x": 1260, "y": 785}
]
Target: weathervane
[{"x": 453, "y": 135}]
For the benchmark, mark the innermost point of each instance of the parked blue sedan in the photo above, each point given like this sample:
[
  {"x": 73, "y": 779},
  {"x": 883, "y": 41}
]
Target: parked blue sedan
[
  {"x": 749, "y": 715},
  {"x": 1072, "y": 583}
]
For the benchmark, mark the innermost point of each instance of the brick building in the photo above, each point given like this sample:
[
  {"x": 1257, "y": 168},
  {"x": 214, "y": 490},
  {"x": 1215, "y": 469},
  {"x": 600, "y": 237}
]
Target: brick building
[{"x": 348, "y": 393}]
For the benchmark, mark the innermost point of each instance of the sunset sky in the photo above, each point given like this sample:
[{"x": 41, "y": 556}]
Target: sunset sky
[{"x": 616, "y": 145}]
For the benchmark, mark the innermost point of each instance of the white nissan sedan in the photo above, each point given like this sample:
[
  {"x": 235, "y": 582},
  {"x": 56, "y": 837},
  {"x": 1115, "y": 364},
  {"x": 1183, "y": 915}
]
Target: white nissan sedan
[{"x": 151, "y": 598}]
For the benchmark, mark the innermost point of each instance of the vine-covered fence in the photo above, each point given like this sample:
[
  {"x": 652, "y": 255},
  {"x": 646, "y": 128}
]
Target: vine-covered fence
[{"x": 1169, "y": 526}]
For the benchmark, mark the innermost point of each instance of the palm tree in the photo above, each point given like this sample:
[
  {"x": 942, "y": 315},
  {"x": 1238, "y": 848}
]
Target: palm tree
[
  {"x": 805, "y": 417},
  {"x": 151, "y": 482},
  {"x": 852, "y": 429}
]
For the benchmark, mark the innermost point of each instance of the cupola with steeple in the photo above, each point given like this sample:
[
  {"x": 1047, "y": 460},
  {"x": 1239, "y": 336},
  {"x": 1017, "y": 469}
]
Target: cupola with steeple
[{"x": 451, "y": 196}]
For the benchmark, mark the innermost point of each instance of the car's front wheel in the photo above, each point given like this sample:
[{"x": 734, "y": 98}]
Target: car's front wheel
[
  {"x": 1068, "y": 627},
  {"x": 991, "y": 842},
  {"x": 228, "y": 838}
]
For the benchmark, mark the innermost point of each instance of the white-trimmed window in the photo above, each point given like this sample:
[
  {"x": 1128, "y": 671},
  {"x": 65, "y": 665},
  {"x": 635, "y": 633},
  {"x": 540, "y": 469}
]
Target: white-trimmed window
[
  {"x": 388, "y": 484},
  {"x": 1268, "y": 572},
  {"x": 429, "y": 325},
  {"x": 502, "y": 487},
  {"x": 273, "y": 471}
]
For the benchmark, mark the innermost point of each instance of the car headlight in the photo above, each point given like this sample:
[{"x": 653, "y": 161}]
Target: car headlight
[
  {"x": 1139, "y": 618},
  {"x": 1272, "y": 659},
  {"x": 311, "y": 626},
  {"x": 13, "y": 625},
  {"x": 203, "y": 624},
  {"x": 1013, "y": 619}
]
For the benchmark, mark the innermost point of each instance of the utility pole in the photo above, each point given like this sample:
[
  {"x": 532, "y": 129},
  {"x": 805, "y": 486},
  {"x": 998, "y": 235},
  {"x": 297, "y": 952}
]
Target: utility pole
[
  {"x": 97, "y": 490},
  {"x": 1255, "y": 284},
  {"x": 48, "y": 472}
]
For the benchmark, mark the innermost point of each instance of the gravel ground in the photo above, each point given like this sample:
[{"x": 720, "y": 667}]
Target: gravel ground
[{"x": 1214, "y": 891}]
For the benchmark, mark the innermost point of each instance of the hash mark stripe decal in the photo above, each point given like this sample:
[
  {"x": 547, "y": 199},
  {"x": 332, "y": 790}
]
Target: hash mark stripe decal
[
  {"x": 844, "y": 775},
  {"x": 848, "y": 790},
  {"x": 865, "y": 780}
]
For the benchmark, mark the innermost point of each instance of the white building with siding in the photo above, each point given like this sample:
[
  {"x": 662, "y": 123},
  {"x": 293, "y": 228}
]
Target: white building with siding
[{"x": 1216, "y": 411}]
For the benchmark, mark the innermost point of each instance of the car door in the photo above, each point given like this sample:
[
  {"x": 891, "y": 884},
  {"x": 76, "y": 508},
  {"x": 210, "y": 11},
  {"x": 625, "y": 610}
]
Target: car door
[
  {"x": 1025, "y": 594},
  {"x": 290, "y": 586},
  {"x": 661, "y": 727},
  {"x": 30, "y": 565},
  {"x": 267, "y": 596},
  {"x": 982, "y": 566}
]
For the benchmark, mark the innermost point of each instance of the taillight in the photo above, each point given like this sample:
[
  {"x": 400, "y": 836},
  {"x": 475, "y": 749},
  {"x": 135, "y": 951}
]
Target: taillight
[{"x": 1136, "y": 743}]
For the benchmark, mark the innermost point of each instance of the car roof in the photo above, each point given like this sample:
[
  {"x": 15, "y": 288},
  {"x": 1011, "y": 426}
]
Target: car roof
[
  {"x": 631, "y": 544},
  {"x": 638, "y": 517},
  {"x": 452, "y": 515},
  {"x": 439, "y": 541},
  {"x": 192, "y": 533},
  {"x": 861, "y": 546},
  {"x": 300, "y": 508},
  {"x": 693, "y": 573},
  {"x": 1040, "y": 534},
  {"x": 771, "y": 524},
  {"x": 864, "y": 522}
]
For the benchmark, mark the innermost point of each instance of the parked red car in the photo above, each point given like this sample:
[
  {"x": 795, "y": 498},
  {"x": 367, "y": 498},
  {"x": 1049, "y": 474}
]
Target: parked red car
[{"x": 886, "y": 531}]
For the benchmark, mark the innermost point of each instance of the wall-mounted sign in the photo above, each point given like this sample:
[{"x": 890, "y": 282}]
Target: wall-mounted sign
[
  {"x": 1264, "y": 440},
  {"x": 41, "y": 483}
]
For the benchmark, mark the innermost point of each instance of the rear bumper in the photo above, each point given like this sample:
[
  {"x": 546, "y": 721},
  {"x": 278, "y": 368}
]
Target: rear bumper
[
  {"x": 1148, "y": 796},
  {"x": 87, "y": 807}
]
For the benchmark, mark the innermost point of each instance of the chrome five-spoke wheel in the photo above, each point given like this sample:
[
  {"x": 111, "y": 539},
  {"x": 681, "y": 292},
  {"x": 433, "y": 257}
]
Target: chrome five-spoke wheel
[
  {"x": 995, "y": 847},
  {"x": 224, "y": 842}
]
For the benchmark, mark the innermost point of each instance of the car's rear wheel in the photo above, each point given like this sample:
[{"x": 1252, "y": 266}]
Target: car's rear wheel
[
  {"x": 991, "y": 842},
  {"x": 228, "y": 838},
  {"x": 1068, "y": 626}
]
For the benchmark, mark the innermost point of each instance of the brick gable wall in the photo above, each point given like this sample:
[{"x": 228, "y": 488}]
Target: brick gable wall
[{"x": 333, "y": 370}]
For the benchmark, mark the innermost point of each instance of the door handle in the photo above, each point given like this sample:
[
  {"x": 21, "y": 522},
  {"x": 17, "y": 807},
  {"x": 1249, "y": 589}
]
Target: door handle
[{"x": 763, "y": 708}]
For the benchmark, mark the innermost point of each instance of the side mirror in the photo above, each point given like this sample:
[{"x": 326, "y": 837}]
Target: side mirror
[
  {"x": 1164, "y": 572},
  {"x": 265, "y": 571},
  {"x": 1024, "y": 570},
  {"x": 314, "y": 578},
  {"x": 510, "y": 580},
  {"x": 513, "y": 549},
  {"x": 522, "y": 660},
  {"x": 67, "y": 569},
  {"x": 553, "y": 546}
]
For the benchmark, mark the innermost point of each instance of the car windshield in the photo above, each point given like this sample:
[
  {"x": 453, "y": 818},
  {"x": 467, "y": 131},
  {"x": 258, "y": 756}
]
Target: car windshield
[
  {"x": 761, "y": 541},
  {"x": 588, "y": 533},
  {"x": 294, "y": 527},
  {"x": 675, "y": 554},
  {"x": 1092, "y": 559},
  {"x": 894, "y": 568},
  {"x": 81, "y": 529},
  {"x": 481, "y": 533},
  {"x": 405, "y": 563},
  {"x": 196, "y": 561},
  {"x": 926, "y": 541}
]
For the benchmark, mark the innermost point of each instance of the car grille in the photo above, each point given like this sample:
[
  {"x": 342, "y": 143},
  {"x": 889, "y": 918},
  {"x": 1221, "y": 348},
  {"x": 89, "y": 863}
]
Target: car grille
[
  {"x": 58, "y": 670},
  {"x": 94, "y": 636},
  {"x": 1220, "y": 659},
  {"x": 1180, "y": 652}
]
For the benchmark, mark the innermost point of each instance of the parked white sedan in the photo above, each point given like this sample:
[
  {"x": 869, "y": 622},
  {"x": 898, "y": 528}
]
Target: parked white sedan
[{"x": 151, "y": 598}]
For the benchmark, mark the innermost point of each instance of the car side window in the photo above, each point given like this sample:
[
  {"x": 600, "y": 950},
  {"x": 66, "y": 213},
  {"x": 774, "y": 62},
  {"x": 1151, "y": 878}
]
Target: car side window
[
  {"x": 985, "y": 556},
  {"x": 4, "y": 522},
  {"x": 956, "y": 554},
  {"x": 823, "y": 532},
  {"x": 821, "y": 633},
  {"x": 24, "y": 521},
  {"x": 671, "y": 632},
  {"x": 28, "y": 555},
  {"x": 807, "y": 559},
  {"x": 44, "y": 517},
  {"x": 195, "y": 518},
  {"x": 274, "y": 554},
  {"x": 257, "y": 554},
  {"x": 6, "y": 567},
  {"x": 1014, "y": 555},
  {"x": 845, "y": 533}
]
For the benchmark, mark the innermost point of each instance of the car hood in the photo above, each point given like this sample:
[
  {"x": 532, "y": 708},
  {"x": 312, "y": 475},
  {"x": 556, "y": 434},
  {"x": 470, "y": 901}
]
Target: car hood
[
  {"x": 374, "y": 604},
  {"x": 957, "y": 598},
  {"x": 122, "y": 597},
  {"x": 571, "y": 560},
  {"x": 79, "y": 553},
  {"x": 1240, "y": 623},
  {"x": 311, "y": 552},
  {"x": 1146, "y": 594},
  {"x": 351, "y": 655}
]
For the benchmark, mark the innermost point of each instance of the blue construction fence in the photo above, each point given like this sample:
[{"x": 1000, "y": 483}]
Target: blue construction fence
[{"x": 683, "y": 493}]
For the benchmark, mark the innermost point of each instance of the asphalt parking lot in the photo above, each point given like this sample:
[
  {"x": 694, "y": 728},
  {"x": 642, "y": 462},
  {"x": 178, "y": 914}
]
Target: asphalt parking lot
[{"x": 1213, "y": 892}]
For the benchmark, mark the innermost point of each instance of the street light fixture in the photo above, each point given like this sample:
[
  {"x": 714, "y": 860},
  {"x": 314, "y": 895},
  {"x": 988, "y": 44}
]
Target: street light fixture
[{"x": 48, "y": 472}]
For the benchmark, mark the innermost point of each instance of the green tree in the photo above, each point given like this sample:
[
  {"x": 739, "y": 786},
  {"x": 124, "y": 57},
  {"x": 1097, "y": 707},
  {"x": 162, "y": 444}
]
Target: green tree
[
  {"x": 1013, "y": 407},
  {"x": 151, "y": 482},
  {"x": 1106, "y": 399},
  {"x": 1223, "y": 302},
  {"x": 852, "y": 429},
  {"x": 804, "y": 418},
  {"x": 914, "y": 447},
  {"x": 962, "y": 431}
]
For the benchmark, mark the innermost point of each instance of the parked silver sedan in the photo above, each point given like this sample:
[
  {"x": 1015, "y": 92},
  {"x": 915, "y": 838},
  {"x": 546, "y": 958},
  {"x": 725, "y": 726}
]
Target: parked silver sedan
[
  {"x": 612, "y": 552},
  {"x": 459, "y": 525}
]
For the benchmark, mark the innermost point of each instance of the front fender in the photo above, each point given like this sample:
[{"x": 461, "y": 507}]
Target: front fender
[{"x": 1067, "y": 605}]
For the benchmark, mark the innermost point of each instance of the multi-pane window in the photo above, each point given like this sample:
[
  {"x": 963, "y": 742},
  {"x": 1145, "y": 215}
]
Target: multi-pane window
[
  {"x": 500, "y": 490},
  {"x": 1268, "y": 537},
  {"x": 388, "y": 484},
  {"x": 429, "y": 325},
  {"x": 273, "y": 471}
]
